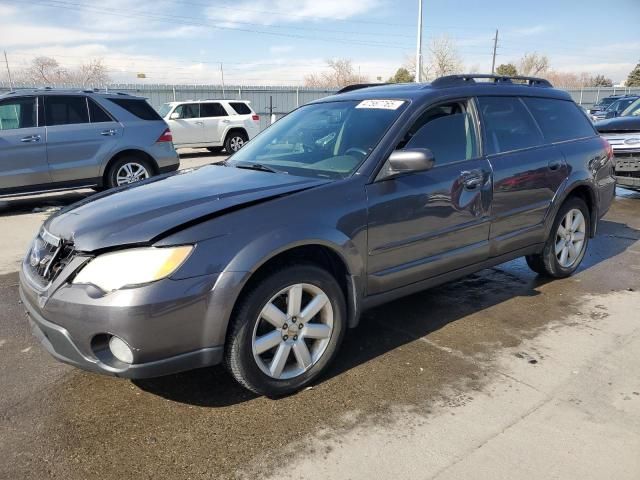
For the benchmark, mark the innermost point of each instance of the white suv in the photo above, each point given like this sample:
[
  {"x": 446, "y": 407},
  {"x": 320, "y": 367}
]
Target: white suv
[{"x": 211, "y": 124}]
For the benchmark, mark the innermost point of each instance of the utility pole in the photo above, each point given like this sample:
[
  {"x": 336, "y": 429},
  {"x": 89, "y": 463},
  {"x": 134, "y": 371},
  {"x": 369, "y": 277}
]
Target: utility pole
[
  {"x": 222, "y": 75},
  {"x": 419, "y": 45},
  {"x": 495, "y": 47},
  {"x": 8, "y": 70}
]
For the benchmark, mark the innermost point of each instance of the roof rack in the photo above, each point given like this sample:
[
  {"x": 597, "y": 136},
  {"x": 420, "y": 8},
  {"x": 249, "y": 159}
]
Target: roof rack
[
  {"x": 463, "y": 79},
  {"x": 358, "y": 86}
]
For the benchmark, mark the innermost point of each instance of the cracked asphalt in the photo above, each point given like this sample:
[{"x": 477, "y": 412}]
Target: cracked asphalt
[{"x": 501, "y": 374}]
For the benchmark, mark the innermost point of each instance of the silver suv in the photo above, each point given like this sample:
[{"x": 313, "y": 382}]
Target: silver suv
[{"x": 62, "y": 139}]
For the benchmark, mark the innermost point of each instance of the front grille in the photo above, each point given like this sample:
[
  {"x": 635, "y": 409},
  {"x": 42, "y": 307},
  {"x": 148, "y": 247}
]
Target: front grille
[{"x": 48, "y": 257}]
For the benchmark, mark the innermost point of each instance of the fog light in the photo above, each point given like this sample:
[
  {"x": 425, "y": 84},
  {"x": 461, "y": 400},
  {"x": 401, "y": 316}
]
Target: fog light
[{"x": 120, "y": 350}]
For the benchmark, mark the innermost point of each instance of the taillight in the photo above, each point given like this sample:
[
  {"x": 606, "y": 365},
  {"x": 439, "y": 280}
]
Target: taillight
[
  {"x": 255, "y": 117},
  {"x": 608, "y": 148},
  {"x": 166, "y": 136}
]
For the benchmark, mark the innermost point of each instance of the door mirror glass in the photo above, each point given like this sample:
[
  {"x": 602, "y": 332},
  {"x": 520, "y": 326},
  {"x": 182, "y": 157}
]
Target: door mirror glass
[
  {"x": 174, "y": 116},
  {"x": 410, "y": 160}
]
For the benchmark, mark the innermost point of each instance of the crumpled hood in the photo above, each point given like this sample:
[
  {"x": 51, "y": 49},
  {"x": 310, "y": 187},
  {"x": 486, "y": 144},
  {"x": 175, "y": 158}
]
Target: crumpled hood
[
  {"x": 143, "y": 213},
  {"x": 619, "y": 124}
]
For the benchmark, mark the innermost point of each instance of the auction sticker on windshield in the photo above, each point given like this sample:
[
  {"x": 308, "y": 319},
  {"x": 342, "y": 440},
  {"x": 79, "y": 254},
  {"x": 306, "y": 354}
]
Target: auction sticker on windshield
[{"x": 381, "y": 104}]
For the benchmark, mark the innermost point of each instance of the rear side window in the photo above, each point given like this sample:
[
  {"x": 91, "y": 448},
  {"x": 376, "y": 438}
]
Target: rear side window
[
  {"x": 241, "y": 108},
  {"x": 97, "y": 114},
  {"x": 508, "y": 125},
  {"x": 65, "y": 110},
  {"x": 212, "y": 110},
  {"x": 18, "y": 113},
  {"x": 137, "y": 107},
  {"x": 559, "y": 120}
]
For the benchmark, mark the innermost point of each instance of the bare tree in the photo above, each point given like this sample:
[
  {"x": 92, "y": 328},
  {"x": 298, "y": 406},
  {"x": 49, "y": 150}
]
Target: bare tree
[
  {"x": 444, "y": 58},
  {"x": 340, "y": 74},
  {"x": 533, "y": 64},
  {"x": 47, "y": 71}
]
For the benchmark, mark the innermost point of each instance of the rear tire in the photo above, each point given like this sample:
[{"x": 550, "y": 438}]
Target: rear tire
[
  {"x": 255, "y": 344},
  {"x": 127, "y": 170},
  {"x": 235, "y": 141},
  {"x": 567, "y": 243}
]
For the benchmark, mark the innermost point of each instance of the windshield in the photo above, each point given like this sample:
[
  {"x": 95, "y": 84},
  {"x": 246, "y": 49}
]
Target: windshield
[
  {"x": 633, "y": 109},
  {"x": 605, "y": 102},
  {"x": 327, "y": 140},
  {"x": 164, "y": 109}
]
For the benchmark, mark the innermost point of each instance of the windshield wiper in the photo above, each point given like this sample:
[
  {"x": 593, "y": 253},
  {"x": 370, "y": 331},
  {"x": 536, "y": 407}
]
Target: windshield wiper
[{"x": 257, "y": 166}]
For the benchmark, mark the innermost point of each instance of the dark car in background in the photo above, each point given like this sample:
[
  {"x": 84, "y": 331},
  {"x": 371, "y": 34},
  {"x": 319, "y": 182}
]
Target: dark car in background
[
  {"x": 264, "y": 262},
  {"x": 616, "y": 108},
  {"x": 53, "y": 139},
  {"x": 623, "y": 133},
  {"x": 603, "y": 104}
]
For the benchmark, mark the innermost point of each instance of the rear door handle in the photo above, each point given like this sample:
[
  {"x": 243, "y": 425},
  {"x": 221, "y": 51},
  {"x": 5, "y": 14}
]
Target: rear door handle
[
  {"x": 472, "y": 179},
  {"x": 555, "y": 165},
  {"x": 199, "y": 123},
  {"x": 30, "y": 138},
  {"x": 225, "y": 121},
  {"x": 108, "y": 133}
]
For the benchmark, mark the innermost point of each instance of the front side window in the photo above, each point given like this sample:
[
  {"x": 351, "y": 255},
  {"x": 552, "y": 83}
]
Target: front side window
[
  {"x": 328, "y": 140},
  {"x": 65, "y": 110},
  {"x": 559, "y": 120},
  {"x": 18, "y": 113},
  {"x": 212, "y": 110},
  {"x": 508, "y": 125},
  {"x": 633, "y": 109},
  {"x": 188, "y": 110},
  {"x": 447, "y": 130}
]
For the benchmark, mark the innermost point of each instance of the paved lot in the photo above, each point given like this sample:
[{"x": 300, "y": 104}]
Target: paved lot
[{"x": 498, "y": 375}]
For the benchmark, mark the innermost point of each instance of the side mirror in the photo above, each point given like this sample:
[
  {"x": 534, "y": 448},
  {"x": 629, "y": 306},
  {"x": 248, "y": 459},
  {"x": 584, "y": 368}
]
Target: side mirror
[
  {"x": 409, "y": 161},
  {"x": 174, "y": 116}
]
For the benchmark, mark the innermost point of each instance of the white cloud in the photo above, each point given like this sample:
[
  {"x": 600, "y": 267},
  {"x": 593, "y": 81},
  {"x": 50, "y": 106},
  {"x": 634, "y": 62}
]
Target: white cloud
[
  {"x": 269, "y": 12},
  {"x": 7, "y": 10}
]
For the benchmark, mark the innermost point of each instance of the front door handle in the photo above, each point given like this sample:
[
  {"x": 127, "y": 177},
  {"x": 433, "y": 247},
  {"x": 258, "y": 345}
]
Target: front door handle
[
  {"x": 199, "y": 123},
  {"x": 472, "y": 179},
  {"x": 108, "y": 133},
  {"x": 30, "y": 138},
  {"x": 225, "y": 121}
]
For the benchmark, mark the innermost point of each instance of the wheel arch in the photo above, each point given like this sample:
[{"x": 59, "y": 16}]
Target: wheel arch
[
  {"x": 340, "y": 259},
  {"x": 586, "y": 192},
  {"x": 134, "y": 152}
]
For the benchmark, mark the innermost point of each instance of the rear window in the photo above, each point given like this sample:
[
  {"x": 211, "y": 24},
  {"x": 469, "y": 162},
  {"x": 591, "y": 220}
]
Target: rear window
[
  {"x": 559, "y": 120},
  {"x": 241, "y": 108},
  {"x": 508, "y": 125},
  {"x": 137, "y": 107}
]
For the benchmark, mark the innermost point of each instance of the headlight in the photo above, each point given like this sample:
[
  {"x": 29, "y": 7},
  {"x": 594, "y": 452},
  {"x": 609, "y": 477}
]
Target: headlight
[{"x": 135, "y": 266}]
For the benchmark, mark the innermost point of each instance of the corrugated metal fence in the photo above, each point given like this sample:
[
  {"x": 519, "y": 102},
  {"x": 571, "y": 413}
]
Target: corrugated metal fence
[{"x": 270, "y": 100}]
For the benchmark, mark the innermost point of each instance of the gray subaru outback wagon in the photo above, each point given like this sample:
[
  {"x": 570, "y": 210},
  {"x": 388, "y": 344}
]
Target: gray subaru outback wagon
[
  {"x": 61, "y": 139},
  {"x": 264, "y": 262}
]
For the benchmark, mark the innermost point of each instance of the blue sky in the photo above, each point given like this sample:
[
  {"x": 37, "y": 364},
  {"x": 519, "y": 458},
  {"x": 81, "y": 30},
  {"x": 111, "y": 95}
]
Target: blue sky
[{"x": 280, "y": 41}]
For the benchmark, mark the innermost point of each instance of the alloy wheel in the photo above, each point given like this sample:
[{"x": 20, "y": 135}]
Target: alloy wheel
[
  {"x": 570, "y": 238},
  {"x": 130, "y": 173},
  {"x": 236, "y": 143},
  {"x": 292, "y": 331}
]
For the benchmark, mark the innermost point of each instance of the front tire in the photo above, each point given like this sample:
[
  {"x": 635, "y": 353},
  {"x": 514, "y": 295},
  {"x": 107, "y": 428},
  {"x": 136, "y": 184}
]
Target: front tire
[
  {"x": 286, "y": 330},
  {"x": 567, "y": 243}
]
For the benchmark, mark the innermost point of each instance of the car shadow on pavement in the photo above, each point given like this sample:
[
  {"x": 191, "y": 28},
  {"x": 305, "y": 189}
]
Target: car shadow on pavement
[
  {"x": 202, "y": 153},
  {"x": 10, "y": 206},
  {"x": 398, "y": 323}
]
